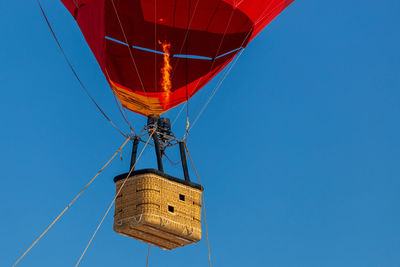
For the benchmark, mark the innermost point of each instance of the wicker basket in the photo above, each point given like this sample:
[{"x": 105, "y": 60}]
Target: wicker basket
[{"x": 158, "y": 209}]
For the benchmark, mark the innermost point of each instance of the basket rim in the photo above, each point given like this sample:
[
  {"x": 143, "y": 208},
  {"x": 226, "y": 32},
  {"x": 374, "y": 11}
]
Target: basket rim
[{"x": 159, "y": 173}]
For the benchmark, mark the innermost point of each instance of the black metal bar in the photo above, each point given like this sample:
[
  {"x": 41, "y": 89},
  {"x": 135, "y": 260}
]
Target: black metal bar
[
  {"x": 183, "y": 160},
  {"x": 158, "y": 152},
  {"x": 134, "y": 152}
]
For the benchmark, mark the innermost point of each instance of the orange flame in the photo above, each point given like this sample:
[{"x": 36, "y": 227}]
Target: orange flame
[{"x": 166, "y": 69}]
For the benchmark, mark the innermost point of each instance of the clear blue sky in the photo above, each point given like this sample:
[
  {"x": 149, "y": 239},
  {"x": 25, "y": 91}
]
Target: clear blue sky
[{"x": 299, "y": 151}]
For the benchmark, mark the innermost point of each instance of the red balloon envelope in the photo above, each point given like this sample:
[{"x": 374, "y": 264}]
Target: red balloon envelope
[{"x": 157, "y": 54}]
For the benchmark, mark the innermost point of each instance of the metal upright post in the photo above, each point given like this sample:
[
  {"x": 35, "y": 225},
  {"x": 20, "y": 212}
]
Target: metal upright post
[
  {"x": 134, "y": 152},
  {"x": 183, "y": 160},
  {"x": 158, "y": 152}
]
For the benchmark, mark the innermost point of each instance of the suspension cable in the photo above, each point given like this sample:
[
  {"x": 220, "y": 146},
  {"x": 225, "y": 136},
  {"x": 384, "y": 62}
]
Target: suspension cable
[
  {"x": 178, "y": 115},
  {"x": 112, "y": 202},
  {"x": 130, "y": 50},
  {"x": 148, "y": 256},
  {"x": 219, "y": 48},
  {"x": 204, "y": 204},
  {"x": 216, "y": 88},
  {"x": 73, "y": 70},
  {"x": 218, "y": 85},
  {"x": 212, "y": 64},
  {"x": 186, "y": 36},
  {"x": 211, "y": 67},
  {"x": 72, "y": 202},
  {"x": 121, "y": 110}
]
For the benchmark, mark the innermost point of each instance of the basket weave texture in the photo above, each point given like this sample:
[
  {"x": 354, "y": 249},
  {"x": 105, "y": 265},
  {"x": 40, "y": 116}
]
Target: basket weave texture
[{"x": 158, "y": 211}]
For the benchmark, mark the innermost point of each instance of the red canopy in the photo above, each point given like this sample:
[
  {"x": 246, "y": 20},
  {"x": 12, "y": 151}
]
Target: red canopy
[{"x": 204, "y": 36}]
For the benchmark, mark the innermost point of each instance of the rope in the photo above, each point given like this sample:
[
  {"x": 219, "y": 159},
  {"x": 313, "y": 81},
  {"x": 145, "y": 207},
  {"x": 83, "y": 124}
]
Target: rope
[
  {"x": 148, "y": 256},
  {"x": 177, "y": 116},
  {"x": 155, "y": 46},
  {"x": 70, "y": 204},
  {"x": 76, "y": 4},
  {"x": 215, "y": 90},
  {"x": 204, "y": 205},
  {"x": 118, "y": 104},
  {"x": 219, "y": 48},
  {"x": 261, "y": 18},
  {"x": 121, "y": 110},
  {"x": 226, "y": 73},
  {"x": 212, "y": 65},
  {"x": 112, "y": 202},
  {"x": 186, "y": 36},
  {"x": 218, "y": 85},
  {"x": 130, "y": 52},
  {"x": 73, "y": 70}
]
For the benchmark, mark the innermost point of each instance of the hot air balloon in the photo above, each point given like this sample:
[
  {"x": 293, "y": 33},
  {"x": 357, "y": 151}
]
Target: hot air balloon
[{"x": 155, "y": 55}]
